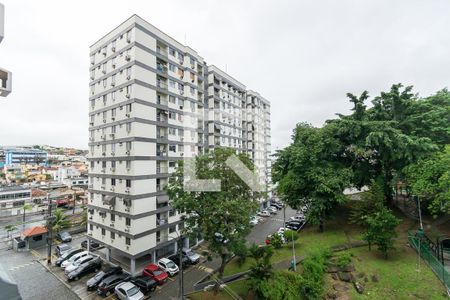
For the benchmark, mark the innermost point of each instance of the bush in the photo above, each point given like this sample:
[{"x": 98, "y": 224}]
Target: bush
[
  {"x": 241, "y": 252},
  {"x": 290, "y": 234},
  {"x": 344, "y": 259},
  {"x": 276, "y": 241},
  {"x": 314, "y": 268}
]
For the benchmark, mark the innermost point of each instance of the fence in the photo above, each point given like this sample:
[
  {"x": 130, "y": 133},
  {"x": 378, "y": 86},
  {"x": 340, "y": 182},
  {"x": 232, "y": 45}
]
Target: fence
[{"x": 417, "y": 241}]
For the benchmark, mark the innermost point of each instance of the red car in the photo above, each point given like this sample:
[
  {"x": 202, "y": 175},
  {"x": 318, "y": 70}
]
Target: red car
[{"x": 156, "y": 273}]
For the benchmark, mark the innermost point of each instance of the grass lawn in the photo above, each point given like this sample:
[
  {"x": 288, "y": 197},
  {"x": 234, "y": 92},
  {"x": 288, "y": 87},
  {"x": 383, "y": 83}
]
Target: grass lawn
[{"x": 240, "y": 287}]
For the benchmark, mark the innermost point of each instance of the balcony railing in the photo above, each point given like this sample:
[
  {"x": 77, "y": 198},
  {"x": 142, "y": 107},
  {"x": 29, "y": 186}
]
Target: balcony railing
[
  {"x": 162, "y": 102},
  {"x": 162, "y": 85},
  {"x": 161, "y": 68},
  {"x": 160, "y": 222},
  {"x": 161, "y": 51},
  {"x": 161, "y": 153}
]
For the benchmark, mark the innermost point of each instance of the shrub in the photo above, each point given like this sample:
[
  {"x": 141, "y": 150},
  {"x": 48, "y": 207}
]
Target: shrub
[
  {"x": 344, "y": 259},
  {"x": 290, "y": 235},
  {"x": 276, "y": 241}
]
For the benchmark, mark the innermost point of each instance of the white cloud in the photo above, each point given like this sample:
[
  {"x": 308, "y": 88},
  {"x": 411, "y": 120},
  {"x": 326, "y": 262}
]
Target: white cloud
[{"x": 301, "y": 55}]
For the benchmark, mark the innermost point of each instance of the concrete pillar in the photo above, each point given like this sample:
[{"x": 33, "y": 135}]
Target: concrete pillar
[
  {"x": 108, "y": 254},
  {"x": 175, "y": 246},
  {"x": 154, "y": 256},
  {"x": 132, "y": 266},
  {"x": 186, "y": 243}
]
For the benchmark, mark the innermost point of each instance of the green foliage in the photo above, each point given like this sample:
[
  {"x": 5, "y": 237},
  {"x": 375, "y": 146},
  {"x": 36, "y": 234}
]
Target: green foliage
[
  {"x": 381, "y": 230},
  {"x": 262, "y": 268},
  {"x": 285, "y": 285},
  {"x": 276, "y": 241},
  {"x": 221, "y": 218},
  {"x": 60, "y": 222},
  {"x": 290, "y": 235},
  {"x": 314, "y": 267},
  {"x": 344, "y": 259},
  {"x": 241, "y": 252},
  {"x": 10, "y": 228},
  {"x": 307, "y": 172},
  {"x": 430, "y": 180},
  {"x": 371, "y": 201}
]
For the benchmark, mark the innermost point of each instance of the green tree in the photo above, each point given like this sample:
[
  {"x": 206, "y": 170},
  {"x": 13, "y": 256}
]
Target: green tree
[
  {"x": 381, "y": 230},
  {"x": 221, "y": 218},
  {"x": 371, "y": 201},
  {"x": 262, "y": 268},
  {"x": 283, "y": 286},
  {"x": 429, "y": 179},
  {"x": 308, "y": 173},
  {"x": 60, "y": 221},
  {"x": 10, "y": 228},
  {"x": 276, "y": 240}
]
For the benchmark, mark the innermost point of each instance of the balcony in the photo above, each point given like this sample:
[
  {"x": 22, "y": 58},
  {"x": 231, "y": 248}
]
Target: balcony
[
  {"x": 163, "y": 238},
  {"x": 161, "y": 51},
  {"x": 162, "y": 170},
  {"x": 161, "y": 222},
  {"x": 161, "y": 84},
  {"x": 161, "y": 68},
  {"x": 162, "y": 102},
  {"x": 160, "y": 153}
]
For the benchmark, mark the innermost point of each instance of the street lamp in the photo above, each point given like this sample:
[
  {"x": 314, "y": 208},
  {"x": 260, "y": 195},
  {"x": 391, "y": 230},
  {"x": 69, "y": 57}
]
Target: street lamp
[{"x": 294, "y": 263}]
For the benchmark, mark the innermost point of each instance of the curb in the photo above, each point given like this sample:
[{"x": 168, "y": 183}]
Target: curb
[{"x": 44, "y": 264}]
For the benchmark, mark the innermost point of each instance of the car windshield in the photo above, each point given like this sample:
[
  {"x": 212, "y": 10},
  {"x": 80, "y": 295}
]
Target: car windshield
[
  {"x": 63, "y": 234},
  {"x": 99, "y": 275},
  {"x": 133, "y": 291},
  {"x": 170, "y": 265},
  {"x": 65, "y": 254},
  {"x": 157, "y": 272},
  {"x": 190, "y": 253}
]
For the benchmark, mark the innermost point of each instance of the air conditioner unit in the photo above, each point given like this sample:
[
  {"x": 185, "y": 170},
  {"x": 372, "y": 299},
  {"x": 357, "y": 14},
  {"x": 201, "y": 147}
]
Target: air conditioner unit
[
  {"x": 112, "y": 135},
  {"x": 103, "y": 137},
  {"x": 111, "y": 225},
  {"x": 127, "y": 57},
  {"x": 182, "y": 154},
  {"x": 127, "y": 191},
  {"x": 90, "y": 233},
  {"x": 181, "y": 138},
  {"x": 113, "y": 153},
  {"x": 127, "y": 209},
  {"x": 128, "y": 169},
  {"x": 181, "y": 92},
  {"x": 104, "y": 153},
  {"x": 127, "y": 153},
  {"x": 91, "y": 138},
  {"x": 181, "y": 106},
  {"x": 127, "y": 115},
  {"x": 113, "y": 83},
  {"x": 129, "y": 77},
  {"x": 104, "y": 120},
  {"x": 91, "y": 123},
  {"x": 113, "y": 49},
  {"x": 128, "y": 247},
  {"x": 90, "y": 218},
  {"x": 127, "y": 95},
  {"x": 181, "y": 76},
  {"x": 127, "y": 230},
  {"x": 113, "y": 169},
  {"x": 104, "y": 71},
  {"x": 103, "y": 170}
]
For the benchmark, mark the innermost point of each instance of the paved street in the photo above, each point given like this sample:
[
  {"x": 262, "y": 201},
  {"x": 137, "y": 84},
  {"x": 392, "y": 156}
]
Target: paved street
[{"x": 28, "y": 272}]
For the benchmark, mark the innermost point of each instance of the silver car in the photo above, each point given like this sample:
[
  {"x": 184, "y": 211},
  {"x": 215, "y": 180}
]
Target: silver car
[{"x": 128, "y": 291}]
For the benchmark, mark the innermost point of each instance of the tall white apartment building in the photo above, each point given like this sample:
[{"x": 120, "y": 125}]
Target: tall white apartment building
[
  {"x": 153, "y": 102},
  {"x": 5, "y": 76}
]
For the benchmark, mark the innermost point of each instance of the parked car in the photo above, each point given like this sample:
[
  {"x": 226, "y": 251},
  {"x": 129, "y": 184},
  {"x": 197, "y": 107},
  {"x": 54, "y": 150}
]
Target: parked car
[
  {"x": 67, "y": 255},
  {"x": 281, "y": 230},
  {"x": 107, "y": 285},
  {"x": 277, "y": 205},
  {"x": 184, "y": 260},
  {"x": 272, "y": 210},
  {"x": 169, "y": 266},
  {"x": 264, "y": 213},
  {"x": 294, "y": 226},
  {"x": 87, "y": 267},
  {"x": 94, "y": 281},
  {"x": 191, "y": 255},
  {"x": 93, "y": 245},
  {"x": 64, "y": 237},
  {"x": 297, "y": 218},
  {"x": 61, "y": 248},
  {"x": 74, "y": 259},
  {"x": 253, "y": 221},
  {"x": 144, "y": 283},
  {"x": 128, "y": 291},
  {"x": 155, "y": 272},
  {"x": 78, "y": 263}
]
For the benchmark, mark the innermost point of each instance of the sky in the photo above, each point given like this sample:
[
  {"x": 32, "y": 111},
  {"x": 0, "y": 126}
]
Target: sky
[{"x": 303, "y": 56}]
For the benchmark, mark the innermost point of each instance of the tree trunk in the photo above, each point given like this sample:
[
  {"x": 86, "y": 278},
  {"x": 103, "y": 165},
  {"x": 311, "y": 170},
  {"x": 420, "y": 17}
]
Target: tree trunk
[
  {"x": 321, "y": 226},
  {"x": 223, "y": 263}
]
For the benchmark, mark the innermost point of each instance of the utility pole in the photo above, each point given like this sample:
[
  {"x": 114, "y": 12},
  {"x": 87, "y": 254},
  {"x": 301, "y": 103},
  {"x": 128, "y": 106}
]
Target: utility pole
[
  {"x": 49, "y": 219},
  {"x": 294, "y": 262}
]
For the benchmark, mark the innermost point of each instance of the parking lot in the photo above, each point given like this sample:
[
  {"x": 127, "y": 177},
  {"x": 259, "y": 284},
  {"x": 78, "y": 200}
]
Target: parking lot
[{"x": 57, "y": 285}]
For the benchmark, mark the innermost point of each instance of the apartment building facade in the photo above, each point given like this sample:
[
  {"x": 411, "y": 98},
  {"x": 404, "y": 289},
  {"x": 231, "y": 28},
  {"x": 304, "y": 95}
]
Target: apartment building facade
[
  {"x": 5, "y": 75},
  {"x": 153, "y": 102}
]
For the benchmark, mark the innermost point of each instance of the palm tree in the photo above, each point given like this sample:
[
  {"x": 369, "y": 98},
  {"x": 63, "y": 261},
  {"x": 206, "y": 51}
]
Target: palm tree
[
  {"x": 25, "y": 207},
  {"x": 10, "y": 228},
  {"x": 60, "y": 221}
]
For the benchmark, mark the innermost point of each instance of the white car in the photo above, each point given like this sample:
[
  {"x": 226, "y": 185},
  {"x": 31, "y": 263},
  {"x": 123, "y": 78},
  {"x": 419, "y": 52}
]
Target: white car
[
  {"x": 253, "y": 221},
  {"x": 298, "y": 218},
  {"x": 264, "y": 213},
  {"x": 272, "y": 210},
  {"x": 128, "y": 291},
  {"x": 169, "y": 266},
  {"x": 74, "y": 258},
  {"x": 281, "y": 230},
  {"x": 73, "y": 266}
]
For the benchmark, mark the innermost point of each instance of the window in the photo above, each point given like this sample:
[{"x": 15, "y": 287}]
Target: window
[
  {"x": 173, "y": 148},
  {"x": 171, "y": 212},
  {"x": 128, "y": 183},
  {"x": 113, "y": 128},
  {"x": 172, "y": 67},
  {"x": 113, "y": 80},
  {"x": 171, "y": 51},
  {"x": 127, "y": 241},
  {"x": 128, "y": 108},
  {"x": 172, "y": 115},
  {"x": 113, "y": 96},
  {"x": 172, "y": 229},
  {"x": 172, "y": 131},
  {"x": 113, "y": 235},
  {"x": 129, "y": 73},
  {"x": 104, "y": 83},
  {"x": 128, "y": 146},
  {"x": 172, "y": 164},
  {"x": 103, "y": 231},
  {"x": 128, "y": 127},
  {"x": 128, "y": 164},
  {"x": 172, "y": 99},
  {"x": 180, "y": 102},
  {"x": 127, "y": 221},
  {"x": 113, "y": 183},
  {"x": 172, "y": 83},
  {"x": 192, "y": 90},
  {"x": 91, "y": 227},
  {"x": 180, "y": 87},
  {"x": 113, "y": 62},
  {"x": 180, "y": 56},
  {"x": 113, "y": 112}
]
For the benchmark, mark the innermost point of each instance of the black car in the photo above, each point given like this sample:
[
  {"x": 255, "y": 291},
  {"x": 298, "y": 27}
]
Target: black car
[
  {"x": 67, "y": 255},
  {"x": 145, "y": 283},
  {"x": 93, "y": 245},
  {"x": 106, "y": 287},
  {"x": 277, "y": 205},
  {"x": 294, "y": 225},
  {"x": 64, "y": 237},
  {"x": 92, "y": 283},
  {"x": 85, "y": 268},
  {"x": 176, "y": 259}
]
